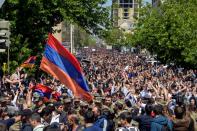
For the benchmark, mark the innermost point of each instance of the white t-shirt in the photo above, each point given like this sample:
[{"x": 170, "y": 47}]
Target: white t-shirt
[{"x": 127, "y": 129}]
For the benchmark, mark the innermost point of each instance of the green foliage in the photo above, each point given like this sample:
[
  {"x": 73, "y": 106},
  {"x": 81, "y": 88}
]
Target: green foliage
[
  {"x": 31, "y": 20},
  {"x": 170, "y": 31},
  {"x": 114, "y": 36},
  {"x": 82, "y": 38},
  {"x": 88, "y": 41}
]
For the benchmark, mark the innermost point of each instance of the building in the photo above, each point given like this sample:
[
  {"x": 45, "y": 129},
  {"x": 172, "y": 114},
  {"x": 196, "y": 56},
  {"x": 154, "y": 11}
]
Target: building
[
  {"x": 124, "y": 13},
  {"x": 58, "y": 32},
  {"x": 63, "y": 34}
]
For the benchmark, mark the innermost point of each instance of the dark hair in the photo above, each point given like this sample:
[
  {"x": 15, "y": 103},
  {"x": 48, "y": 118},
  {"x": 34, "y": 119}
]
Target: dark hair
[
  {"x": 36, "y": 117},
  {"x": 179, "y": 111},
  {"x": 128, "y": 103},
  {"x": 148, "y": 109},
  {"x": 46, "y": 112},
  {"x": 126, "y": 116},
  {"x": 89, "y": 116},
  {"x": 158, "y": 109},
  {"x": 22, "y": 72},
  {"x": 180, "y": 99},
  {"x": 26, "y": 113},
  {"x": 193, "y": 98},
  {"x": 33, "y": 80}
]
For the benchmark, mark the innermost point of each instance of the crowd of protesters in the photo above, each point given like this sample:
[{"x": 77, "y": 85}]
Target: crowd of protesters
[{"x": 130, "y": 94}]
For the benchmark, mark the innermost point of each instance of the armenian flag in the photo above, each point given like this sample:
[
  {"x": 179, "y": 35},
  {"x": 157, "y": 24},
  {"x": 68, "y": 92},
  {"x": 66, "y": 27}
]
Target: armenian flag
[
  {"x": 45, "y": 91},
  {"x": 62, "y": 65},
  {"x": 30, "y": 62}
]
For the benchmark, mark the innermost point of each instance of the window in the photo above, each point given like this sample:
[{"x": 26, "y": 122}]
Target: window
[
  {"x": 121, "y": 1},
  {"x": 126, "y": 15},
  {"x": 121, "y": 5},
  {"x": 126, "y": 3},
  {"x": 126, "y": 10}
]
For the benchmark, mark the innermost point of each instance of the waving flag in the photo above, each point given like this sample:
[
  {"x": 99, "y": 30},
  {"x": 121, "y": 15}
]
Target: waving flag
[
  {"x": 45, "y": 91},
  {"x": 62, "y": 65},
  {"x": 29, "y": 63}
]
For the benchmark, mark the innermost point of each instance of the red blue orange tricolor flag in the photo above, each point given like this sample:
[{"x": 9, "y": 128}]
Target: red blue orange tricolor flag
[
  {"x": 62, "y": 65},
  {"x": 30, "y": 62},
  {"x": 45, "y": 91}
]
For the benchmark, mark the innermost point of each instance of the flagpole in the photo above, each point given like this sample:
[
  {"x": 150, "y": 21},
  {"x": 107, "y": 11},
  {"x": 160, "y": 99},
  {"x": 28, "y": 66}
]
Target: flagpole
[
  {"x": 71, "y": 38},
  {"x": 8, "y": 59}
]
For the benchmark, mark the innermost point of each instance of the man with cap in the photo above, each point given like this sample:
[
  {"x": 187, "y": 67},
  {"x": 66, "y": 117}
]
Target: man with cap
[
  {"x": 68, "y": 104},
  {"x": 83, "y": 108},
  {"x": 98, "y": 102},
  {"x": 25, "y": 119},
  {"x": 38, "y": 102},
  {"x": 77, "y": 104}
]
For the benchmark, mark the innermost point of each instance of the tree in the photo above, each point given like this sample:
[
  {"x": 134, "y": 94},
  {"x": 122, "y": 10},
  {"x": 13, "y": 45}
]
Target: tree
[
  {"x": 31, "y": 20},
  {"x": 114, "y": 36},
  {"x": 170, "y": 31},
  {"x": 82, "y": 38}
]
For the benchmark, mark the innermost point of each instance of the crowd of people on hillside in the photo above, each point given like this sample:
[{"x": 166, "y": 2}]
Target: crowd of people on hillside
[{"x": 130, "y": 94}]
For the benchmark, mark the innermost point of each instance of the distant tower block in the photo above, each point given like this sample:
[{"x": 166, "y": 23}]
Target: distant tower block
[{"x": 123, "y": 13}]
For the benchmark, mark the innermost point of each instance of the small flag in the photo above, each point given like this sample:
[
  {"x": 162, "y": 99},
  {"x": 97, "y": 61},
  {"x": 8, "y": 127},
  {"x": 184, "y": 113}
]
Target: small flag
[
  {"x": 45, "y": 91},
  {"x": 62, "y": 65},
  {"x": 30, "y": 62}
]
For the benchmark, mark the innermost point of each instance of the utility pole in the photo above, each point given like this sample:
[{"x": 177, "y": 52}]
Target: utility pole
[
  {"x": 71, "y": 38},
  {"x": 8, "y": 58}
]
